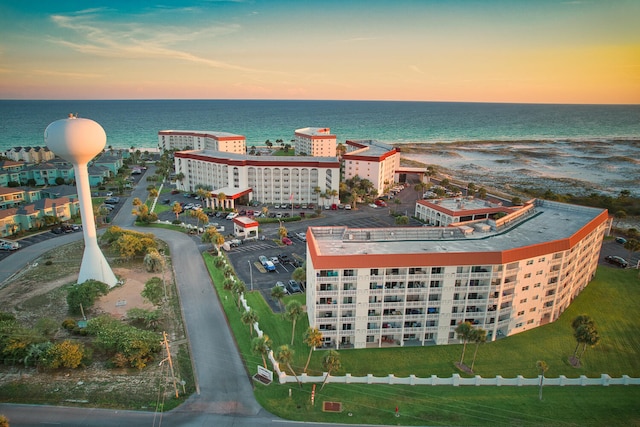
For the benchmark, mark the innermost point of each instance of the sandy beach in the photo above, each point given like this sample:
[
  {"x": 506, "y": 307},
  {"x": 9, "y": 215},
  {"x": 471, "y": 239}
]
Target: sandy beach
[{"x": 564, "y": 167}]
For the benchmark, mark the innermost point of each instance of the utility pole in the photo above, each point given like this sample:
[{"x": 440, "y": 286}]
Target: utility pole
[
  {"x": 166, "y": 345},
  {"x": 251, "y": 273}
]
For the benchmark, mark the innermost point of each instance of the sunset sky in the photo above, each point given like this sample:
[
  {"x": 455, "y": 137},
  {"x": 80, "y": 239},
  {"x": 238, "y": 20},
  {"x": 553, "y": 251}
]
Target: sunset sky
[{"x": 542, "y": 51}]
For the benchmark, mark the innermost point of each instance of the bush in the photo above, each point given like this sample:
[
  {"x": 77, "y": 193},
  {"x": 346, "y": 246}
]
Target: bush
[
  {"x": 69, "y": 324},
  {"x": 85, "y": 294}
]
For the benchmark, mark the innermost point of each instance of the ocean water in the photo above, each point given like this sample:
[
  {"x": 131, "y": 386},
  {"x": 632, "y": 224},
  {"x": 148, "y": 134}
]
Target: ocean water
[{"x": 135, "y": 123}]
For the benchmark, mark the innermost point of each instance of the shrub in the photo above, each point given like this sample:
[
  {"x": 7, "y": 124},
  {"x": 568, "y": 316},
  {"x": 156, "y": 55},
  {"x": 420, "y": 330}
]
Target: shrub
[
  {"x": 69, "y": 324},
  {"x": 85, "y": 294}
]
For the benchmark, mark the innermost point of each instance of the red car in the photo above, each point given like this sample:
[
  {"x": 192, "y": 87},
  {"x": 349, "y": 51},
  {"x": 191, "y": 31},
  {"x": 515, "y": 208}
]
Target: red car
[{"x": 287, "y": 241}]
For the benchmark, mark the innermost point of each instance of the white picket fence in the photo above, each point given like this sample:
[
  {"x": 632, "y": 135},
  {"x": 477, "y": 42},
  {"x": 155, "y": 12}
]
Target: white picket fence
[{"x": 455, "y": 380}]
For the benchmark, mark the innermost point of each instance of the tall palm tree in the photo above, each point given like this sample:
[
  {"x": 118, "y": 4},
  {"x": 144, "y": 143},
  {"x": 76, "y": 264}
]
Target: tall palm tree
[
  {"x": 293, "y": 312},
  {"x": 479, "y": 336},
  {"x": 177, "y": 209},
  {"x": 313, "y": 338},
  {"x": 221, "y": 198},
  {"x": 542, "y": 367},
  {"x": 330, "y": 363},
  {"x": 277, "y": 293},
  {"x": 261, "y": 345},
  {"x": 239, "y": 288},
  {"x": 284, "y": 355},
  {"x": 249, "y": 317},
  {"x": 463, "y": 330}
]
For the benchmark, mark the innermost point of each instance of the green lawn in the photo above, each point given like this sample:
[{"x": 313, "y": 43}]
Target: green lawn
[{"x": 610, "y": 299}]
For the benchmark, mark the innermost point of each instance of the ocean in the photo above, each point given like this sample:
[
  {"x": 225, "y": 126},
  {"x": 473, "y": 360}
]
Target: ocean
[
  {"x": 566, "y": 148},
  {"x": 136, "y": 123}
]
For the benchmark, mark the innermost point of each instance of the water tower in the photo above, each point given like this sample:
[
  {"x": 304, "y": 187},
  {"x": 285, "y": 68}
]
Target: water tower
[{"x": 78, "y": 141}]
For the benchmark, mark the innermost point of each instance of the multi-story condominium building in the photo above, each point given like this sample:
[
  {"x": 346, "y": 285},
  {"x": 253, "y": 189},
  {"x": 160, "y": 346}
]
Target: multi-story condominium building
[
  {"x": 201, "y": 140},
  {"x": 268, "y": 179},
  {"x": 30, "y": 154},
  {"x": 32, "y": 216},
  {"x": 412, "y": 286},
  {"x": 317, "y": 142},
  {"x": 371, "y": 160},
  {"x": 10, "y": 172}
]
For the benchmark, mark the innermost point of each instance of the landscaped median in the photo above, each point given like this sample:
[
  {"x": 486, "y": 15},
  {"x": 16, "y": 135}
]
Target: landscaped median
[{"x": 609, "y": 300}]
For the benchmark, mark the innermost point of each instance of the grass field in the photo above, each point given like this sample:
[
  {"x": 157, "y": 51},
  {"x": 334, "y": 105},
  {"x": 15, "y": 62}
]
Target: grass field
[{"x": 610, "y": 299}]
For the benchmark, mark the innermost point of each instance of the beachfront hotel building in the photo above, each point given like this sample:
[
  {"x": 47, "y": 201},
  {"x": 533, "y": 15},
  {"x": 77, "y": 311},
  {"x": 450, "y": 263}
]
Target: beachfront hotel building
[
  {"x": 371, "y": 160},
  {"x": 317, "y": 142},
  {"x": 201, "y": 140},
  {"x": 266, "y": 179},
  {"x": 444, "y": 212},
  {"x": 379, "y": 287}
]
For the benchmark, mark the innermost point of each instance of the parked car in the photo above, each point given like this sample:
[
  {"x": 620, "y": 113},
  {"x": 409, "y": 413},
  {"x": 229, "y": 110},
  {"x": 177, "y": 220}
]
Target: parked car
[
  {"x": 166, "y": 201},
  {"x": 287, "y": 241},
  {"x": 112, "y": 200},
  {"x": 347, "y": 207},
  {"x": 293, "y": 286},
  {"x": 283, "y": 259},
  {"x": 381, "y": 203},
  {"x": 616, "y": 260},
  {"x": 621, "y": 240},
  {"x": 302, "y": 236},
  {"x": 232, "y": 215},
  {"x": 266, "y": 263},
  {"x": 282, "y": 286}
]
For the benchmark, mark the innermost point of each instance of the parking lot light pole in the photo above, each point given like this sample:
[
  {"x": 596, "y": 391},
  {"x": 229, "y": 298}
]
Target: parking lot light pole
[{"x": 251, "y": 273}]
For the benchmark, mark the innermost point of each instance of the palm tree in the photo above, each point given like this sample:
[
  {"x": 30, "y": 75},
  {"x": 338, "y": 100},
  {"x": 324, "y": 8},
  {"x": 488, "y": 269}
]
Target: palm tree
[
  {"x": 293, "y": 312},
  {"x": 464, "y": 333},
  {"x": 221, "y": 198},
  {"x": 542, "y": 367},
  {"x": 299, "y": 274},
  {"x": 313, "y": 338},
  {"x": 284, "y": 355},
  {"x": 177, "y": 209},
  {"x": 239, "y": 288},
  {"x": 479, "y": 336},
  {"x": 578, "y": 322},
  {"x": 317, "y": 191},
  {"x": 330, "y": 363},
  {"x": 227, "y": 285},
  {"x": 260, "y": 345},
  {"x": 136, "y": 202},
  {"x": 277, "y": 293},
  {"x": 153, "y": 193},
  {"x": 282, "y": 231},
  {"x": 471, "y": 189},
  {"x": 587, "y": 335},
  {"x": 205, "y": 195},
  {"x": 632, "y": 245},
  {"x": 249, "y": 317}
]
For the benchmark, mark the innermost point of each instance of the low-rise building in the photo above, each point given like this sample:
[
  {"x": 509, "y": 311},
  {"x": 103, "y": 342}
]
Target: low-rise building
[{"x": 379, "y": 287}]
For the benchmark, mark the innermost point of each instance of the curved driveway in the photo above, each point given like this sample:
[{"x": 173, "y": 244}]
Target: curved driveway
[{"x": 225, "y": 395}]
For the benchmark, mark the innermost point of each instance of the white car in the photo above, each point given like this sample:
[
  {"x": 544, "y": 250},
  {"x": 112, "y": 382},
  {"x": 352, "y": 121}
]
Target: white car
[
  {"x": 301, "y": 236},
  {"x": 232, "y": 215},
  {"x": 347, "y": 207},
  {"x": 372, "y": 205}
]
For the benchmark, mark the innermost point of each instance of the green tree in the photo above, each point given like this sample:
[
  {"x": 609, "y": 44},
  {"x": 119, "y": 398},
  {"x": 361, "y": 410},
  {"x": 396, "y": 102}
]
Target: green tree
[
  {"x": 330, "y": 363},
  {"x": 85, "y": 294},
  {"x": 293, "y": 311},
  {"x": 239, "y": 288},
  {"x": 282, "y": 231},
  {"x": 482, "y": 193},
  {"x": 277, "y": 293},
  {"x": 299, "y": 275},
  {"x": 463, "y": 330},
  {"x": 542, "y": 367},
  {"x": 313, "y": 338},
  {"x": 402, "y": 220},
  {"x": 261, "y": 345},
  {"x": 153, "y": 291},
  {"x": 4, "y": 421},
  {"x": 284, "y": 355},
  {"x": 632, "y": 245},
  {"x": 249, "y": 317}
]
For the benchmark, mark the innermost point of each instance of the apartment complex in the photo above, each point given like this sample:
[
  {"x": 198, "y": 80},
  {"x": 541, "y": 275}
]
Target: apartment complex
[
  {"x": 267, "y": 179},
  {"x": 412, "y": 286},
  {"x": 317, "y": 142},
  {"x": 444, "y": 212},
  {"x": 201, "y": 140},
  {"x": 371, "y": 160}
]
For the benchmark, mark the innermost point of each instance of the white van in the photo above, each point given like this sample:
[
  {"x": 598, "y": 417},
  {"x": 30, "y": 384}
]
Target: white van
[{"x": 9, "y": 245}]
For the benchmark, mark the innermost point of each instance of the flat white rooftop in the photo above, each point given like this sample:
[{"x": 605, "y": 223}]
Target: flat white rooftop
[{"x": 547, "y": 222}]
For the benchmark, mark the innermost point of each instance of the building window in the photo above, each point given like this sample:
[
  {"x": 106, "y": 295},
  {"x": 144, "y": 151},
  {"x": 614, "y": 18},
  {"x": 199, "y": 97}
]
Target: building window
[
  {"x": 522, "y": 301},
  {"x": 525, "y": 288},
  {"x": 530, "y": 262}
]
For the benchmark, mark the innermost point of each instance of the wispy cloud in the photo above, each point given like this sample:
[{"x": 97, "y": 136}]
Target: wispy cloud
[
  {"x": 67, "y": 74},
  {"x": 132, "y": 40}
]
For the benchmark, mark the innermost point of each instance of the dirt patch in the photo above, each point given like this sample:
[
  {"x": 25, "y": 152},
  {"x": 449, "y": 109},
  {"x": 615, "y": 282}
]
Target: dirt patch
[{"x": 127, "y": 296}]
